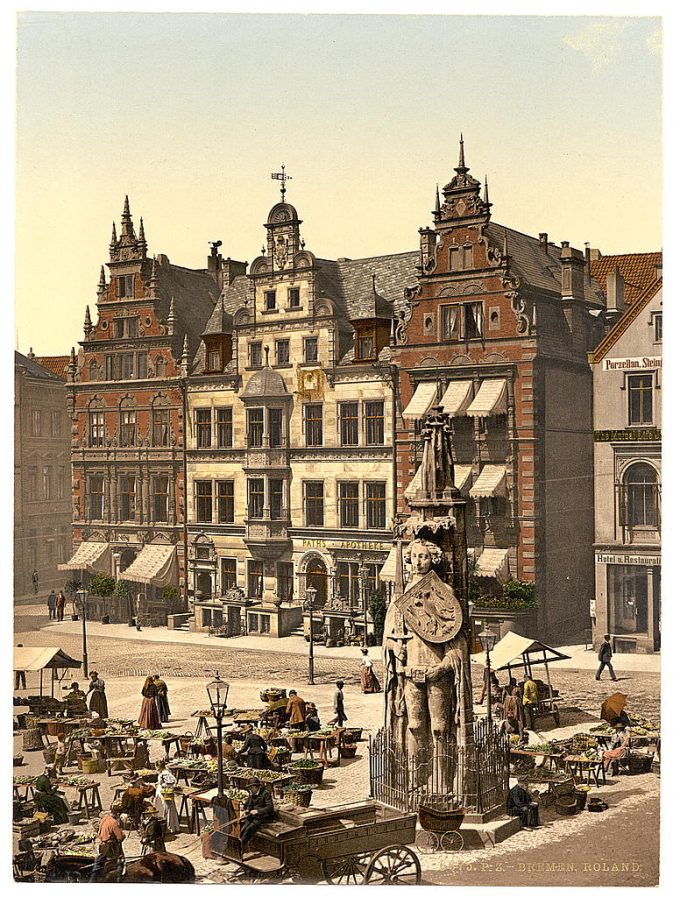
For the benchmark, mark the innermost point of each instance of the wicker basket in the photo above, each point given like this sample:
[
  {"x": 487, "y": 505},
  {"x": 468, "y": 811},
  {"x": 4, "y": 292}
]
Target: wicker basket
[
  {"x": 348, "y": 751},
  {"x": 639, "y": 763},
  {"x": 298, "y": 798},
  {"x": 89, "y": 765},
  {"x": 18, "y": 760},
  {"x": 568, "y": 806},
  {"x": 49, "y": 754},
  {"x": 309, "y": 775},
  {"x": 32, "y": 740}
]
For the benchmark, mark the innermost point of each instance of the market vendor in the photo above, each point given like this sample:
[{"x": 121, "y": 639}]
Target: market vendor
[
  {"x": 529, "y": 700},
  {"x": 254, "y": 750},
  {"x": 110, "y": 839},
  {"x": 47, "y": 797},
  {"x": 312, "y": 721},
  {"x": 258, "y": 809},
  {"x": 520, "y": 804},
  {"x": 164, "y": 800},
  {"x": 619, "y": 747},
  {"x": 295, "y": 710},
  {"x": 512, "y": 713}
]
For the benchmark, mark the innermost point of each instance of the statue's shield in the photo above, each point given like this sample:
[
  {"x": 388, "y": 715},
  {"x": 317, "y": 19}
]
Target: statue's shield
[{"x": 431, "y": 609}]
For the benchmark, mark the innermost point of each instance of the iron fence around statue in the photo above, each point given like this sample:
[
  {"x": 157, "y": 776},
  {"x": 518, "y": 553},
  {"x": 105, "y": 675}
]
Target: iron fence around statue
[{"x": 475, "y": 776}]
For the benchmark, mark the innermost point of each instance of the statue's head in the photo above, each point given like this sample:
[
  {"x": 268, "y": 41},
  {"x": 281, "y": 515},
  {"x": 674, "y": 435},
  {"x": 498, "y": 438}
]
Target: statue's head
[{"x": 422, "y": 554}]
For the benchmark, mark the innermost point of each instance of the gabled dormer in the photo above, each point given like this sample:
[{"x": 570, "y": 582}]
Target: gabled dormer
[
  {"x": 217, "y": 338},
  {"x": 372, "y": 328}
]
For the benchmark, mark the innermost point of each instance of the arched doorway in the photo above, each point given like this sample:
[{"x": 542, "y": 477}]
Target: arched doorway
[{"x": 317, "y": 578}]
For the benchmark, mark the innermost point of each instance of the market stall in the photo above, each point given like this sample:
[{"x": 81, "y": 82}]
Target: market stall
[{"x": 35, "y": 660}]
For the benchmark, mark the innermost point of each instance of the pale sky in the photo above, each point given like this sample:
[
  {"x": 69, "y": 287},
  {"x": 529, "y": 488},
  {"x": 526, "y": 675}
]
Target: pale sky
[{"x": 190, "y": 113}]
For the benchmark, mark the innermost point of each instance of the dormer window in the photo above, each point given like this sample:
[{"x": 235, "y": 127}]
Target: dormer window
[
  {"x": 214, "y": 361},
  {"x": 270, "y": 300},
  {"x": 365, "y": 346},
  {"x": 294, "y": 297},
  {"x": 125, "y": 286}
]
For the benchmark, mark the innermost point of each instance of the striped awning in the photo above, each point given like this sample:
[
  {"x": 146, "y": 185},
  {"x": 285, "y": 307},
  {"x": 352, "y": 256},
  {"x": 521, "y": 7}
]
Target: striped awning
[
  {"x": 91, "y": 556},
  {"x": 491, "y": 399},
  {"x": 457, "y": 397},
  {"x": 493, "y": 562},
  {"x": 421, "y": 402},
  {"x": 388, "y": 572},
  {"x": 490, "y": 482},
  {"x": 154, "y": 565}
]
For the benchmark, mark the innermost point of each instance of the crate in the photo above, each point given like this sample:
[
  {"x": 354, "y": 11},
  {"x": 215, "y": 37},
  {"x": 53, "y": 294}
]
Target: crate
[
  {"x": 26, "y": 828},
  {"x": 581, "y": 741}
]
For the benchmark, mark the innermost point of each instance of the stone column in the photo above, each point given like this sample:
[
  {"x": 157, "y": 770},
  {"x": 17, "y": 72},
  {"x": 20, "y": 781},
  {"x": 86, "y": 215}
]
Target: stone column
[{"x": 145, "y": 509}]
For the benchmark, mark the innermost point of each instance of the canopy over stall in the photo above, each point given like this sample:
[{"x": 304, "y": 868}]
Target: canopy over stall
[
  {"x": 39, "y": 659},
  {"x": 154, "y": 565},
  {"x": 92, "y": 556},
  {"x": 515, "y": 651}
]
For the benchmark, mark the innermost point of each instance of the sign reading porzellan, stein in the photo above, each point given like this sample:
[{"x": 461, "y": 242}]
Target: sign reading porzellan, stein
[{"x": 645, "y": 363}]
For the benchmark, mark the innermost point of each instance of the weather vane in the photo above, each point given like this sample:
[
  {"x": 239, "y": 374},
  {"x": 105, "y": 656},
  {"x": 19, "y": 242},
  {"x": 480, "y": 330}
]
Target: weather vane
[{"x": 283, "y": 177}]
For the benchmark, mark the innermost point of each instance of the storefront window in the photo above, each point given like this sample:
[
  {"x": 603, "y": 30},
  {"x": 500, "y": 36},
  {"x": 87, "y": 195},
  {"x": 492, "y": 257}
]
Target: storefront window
[{"x": 628, "y": 598}]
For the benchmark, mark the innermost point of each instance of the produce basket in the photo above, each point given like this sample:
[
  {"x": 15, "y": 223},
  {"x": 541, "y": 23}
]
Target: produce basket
[
  {"x": 569, "y": 806},
  {"x": 298, "y": 795},
  {"x": 49, "y": 754},
  {"x": 306, "y": 772},
  {"x": 639, "y": 763},
  {"x": 32, "y": 740},
  {"x": 348, "y": 751},
  {"x": 352, "y": 735},
  {"x": 89, "y": 765},
  {"x": 17, "y": 760}
]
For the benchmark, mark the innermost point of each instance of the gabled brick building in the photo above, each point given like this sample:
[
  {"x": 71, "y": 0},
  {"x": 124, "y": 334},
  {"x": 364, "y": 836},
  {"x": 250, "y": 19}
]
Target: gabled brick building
[
  {"x": 126, "y": 401},
  {"x": 497, "y": 331}
]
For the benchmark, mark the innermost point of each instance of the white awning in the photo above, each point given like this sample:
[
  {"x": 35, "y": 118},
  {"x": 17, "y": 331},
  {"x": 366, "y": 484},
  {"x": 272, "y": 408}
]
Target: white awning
[
  {"x": 491, "y": 399},
  {"x": 492, "y": 562},
  {"x": 34, "y": 659},
  {"x": 154, "y": 565},
  {"x": 388, "y": 572},
  {"x": 457, "y": 397},
  {"x": 92, "y": 556},
  {"x": 515, "y": 650},
  {"x": 421, "y": 402},
  {"x": 461, "y": 472},
  {"x": 490, "y": 482}
]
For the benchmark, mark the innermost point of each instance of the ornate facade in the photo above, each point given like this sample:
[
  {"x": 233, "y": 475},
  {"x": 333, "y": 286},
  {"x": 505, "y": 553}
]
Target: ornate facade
[{"x": 497, "y": 330}]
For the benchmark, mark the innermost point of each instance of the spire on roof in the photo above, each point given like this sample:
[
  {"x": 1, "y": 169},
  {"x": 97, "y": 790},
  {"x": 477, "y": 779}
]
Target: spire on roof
[
  {"x": 114, "y": 235},
  {"x": 172, "y": 316},
  {"x": 184, "y": 360},
  {"x": 101, "y": 287},
  {"x": 141, "y": 242},
  {"x": 486, "y": 191},
  {"x": 153, "y": 280},
  {"x": 87, "y": 325},
  {"x": 73, "y": 365},
  {"x": 462, "y": 169},
  {"x": 437, "y": 204},
  {"x": 127, "y": 227}
]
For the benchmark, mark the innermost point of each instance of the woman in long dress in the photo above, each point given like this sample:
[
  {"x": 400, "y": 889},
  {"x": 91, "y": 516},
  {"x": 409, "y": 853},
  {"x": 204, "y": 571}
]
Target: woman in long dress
[
  {"x": 164, "y": 801},
  {"x": 369, "y": 681},
  {"x": 162, "y": 702},
  {"x": 97, "y": 693},
  {"x": 148, "y": 715}
]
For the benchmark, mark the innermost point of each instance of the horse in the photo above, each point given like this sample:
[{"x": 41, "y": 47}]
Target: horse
[{"x": 157, "y": 867}]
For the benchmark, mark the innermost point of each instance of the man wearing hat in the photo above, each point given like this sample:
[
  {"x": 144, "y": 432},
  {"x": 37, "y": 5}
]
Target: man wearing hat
[
  {"x": 110, "y": 839},
  {"x": 254, "y": 750},
  {"x": 258, "y": 809}
]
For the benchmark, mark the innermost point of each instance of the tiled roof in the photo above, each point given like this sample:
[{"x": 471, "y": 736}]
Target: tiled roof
[
  {"x": 626, "y": 320},
  {"x": 32, "y": 367},
  {"x": 195, "y": 293},
  {"x": 638, "y": 270},
  {"x": 57, "y": 364}
]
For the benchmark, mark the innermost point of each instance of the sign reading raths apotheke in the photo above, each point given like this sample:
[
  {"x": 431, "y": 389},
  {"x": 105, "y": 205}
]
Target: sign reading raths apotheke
[
  {"x": 637, "y": 560},
  {"x": 644, "y": 363}
]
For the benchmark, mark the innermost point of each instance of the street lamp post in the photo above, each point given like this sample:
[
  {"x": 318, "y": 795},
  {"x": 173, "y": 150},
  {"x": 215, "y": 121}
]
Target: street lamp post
[
  {"x": 81, "y": 594},
  {"x": 311, "y": 595},
  {"x": 217, "y": 694},
  {"x": 487, "y": 639},
  {"x": 363, "y": 576}
]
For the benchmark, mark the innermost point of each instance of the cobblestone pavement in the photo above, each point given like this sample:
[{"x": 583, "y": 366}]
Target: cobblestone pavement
[{"x": 606, "y": 839}]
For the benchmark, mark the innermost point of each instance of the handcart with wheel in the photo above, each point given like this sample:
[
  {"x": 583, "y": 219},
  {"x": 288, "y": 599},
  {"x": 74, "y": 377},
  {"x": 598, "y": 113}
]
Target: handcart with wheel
[{"x": 440, "y": 829}]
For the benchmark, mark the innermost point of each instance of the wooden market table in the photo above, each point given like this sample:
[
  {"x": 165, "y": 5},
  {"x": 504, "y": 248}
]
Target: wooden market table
[
  {"x": 553, "y": 761},
  {"x": 585, "y": 769},
  {"x": 324, "y": 744}
]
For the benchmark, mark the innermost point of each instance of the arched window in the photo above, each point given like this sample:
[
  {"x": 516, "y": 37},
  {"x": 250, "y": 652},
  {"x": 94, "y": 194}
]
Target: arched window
[{"x": 640, "y": 496}]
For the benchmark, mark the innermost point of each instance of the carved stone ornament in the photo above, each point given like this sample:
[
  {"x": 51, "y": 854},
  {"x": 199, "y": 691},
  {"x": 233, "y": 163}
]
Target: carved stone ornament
[
  {"x": 431, "y": 609},
  {"x": 517, "y": 303},
  {"x": 281, "y": 251}
]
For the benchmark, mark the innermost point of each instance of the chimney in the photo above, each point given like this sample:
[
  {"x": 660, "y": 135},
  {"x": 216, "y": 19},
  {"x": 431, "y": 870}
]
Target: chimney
[
  {"x": 615, "y": 303},
  {"x": 428, "y": 242},
  {"x": 587, "y": 253},
  {"x": 573, "y": 263},
  {"x": 232, "y": 269},
  {"x": 215, "y": 260},
  {"x": 659, "y": 270},
  {"x": 543, "y": 240}
]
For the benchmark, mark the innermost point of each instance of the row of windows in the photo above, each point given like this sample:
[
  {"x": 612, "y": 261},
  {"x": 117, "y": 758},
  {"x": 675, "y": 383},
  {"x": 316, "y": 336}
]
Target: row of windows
[
  {"x": 127, "y": 429},
  {"x": 127, "y": 498},
  {"x": 50, "y": 485},
  {"x": 215, "y": 502},
  {"x": 40, "y": 419},
  {"x": 461, "y": 322},
  {"x": 127, "y": 366},
  {"x": 293, "y": 298},
  {"x": 310, "y": 352},
  {"x": 269, "y": 429}
]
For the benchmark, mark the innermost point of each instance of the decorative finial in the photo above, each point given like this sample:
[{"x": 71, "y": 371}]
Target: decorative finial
[
  {"x": 153, "y": 280},
  {"x": 486, "y": 191},
  {"x": 302, "y": 243},
  {"x": 102, "y": 281},
  {"x": 462, "y": 169},
  {"x": 184, "y": 360},
  {"x": 72, "y": 365},
  {"x": 172, "y": 317},
  {"x": 114, "y": 236},
  {"x": 126, "y": 208},
  {"x": 31, "y": 353},
  {"x": 437, "y": 203},
  {"x": 87, "y": 325},
  {"x": 263, "y": 250},
  {"x": 505, "y": 244},
  {"x": 283, "y": 177},
  {"x": 266, "y": 356},
  {"x": 142, "y": 238}
]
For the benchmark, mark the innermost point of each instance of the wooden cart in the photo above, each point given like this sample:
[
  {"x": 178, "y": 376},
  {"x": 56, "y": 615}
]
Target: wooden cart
[{"x": 359, "y": 843}]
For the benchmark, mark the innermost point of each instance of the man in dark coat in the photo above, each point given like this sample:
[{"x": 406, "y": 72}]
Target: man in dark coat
[
  {"x": 604, "y": 655},
  {"x": 520, "y": 804},
  {"x": 258, "y": 809},
  {"x": 254, "y": 750},
  {"x": 339, "y": 705}
]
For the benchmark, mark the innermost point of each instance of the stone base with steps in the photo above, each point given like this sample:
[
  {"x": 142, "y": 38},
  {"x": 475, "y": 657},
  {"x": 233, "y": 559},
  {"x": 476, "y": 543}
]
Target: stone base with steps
[{"x": 490, "y": 833}]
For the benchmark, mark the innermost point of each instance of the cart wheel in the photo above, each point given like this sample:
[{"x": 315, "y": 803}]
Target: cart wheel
[
  {"x": 452, "y": 842},
  {"x": 396, "y": 865},
  {"x": 427, "y": 842},
  {"x": 349, "y": 870}
]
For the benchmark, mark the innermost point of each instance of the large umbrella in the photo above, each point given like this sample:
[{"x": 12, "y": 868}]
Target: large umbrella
[{"x": 612, "y": 707}]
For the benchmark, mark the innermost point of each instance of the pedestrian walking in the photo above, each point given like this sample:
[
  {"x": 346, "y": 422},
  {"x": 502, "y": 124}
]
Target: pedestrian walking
[
  {"x": 52, "y": 605},
  {"x": 97, "y": 691},
  {"x": 512, "y": 713},
  {"x": 295, "y": 710},
  {"x": 164, "y": 800},
  {"x": 148, "y": 715},
  {"x": 339, "y": 705},
  {"x": 369, "y": 681},
  {"x": 61, "y": 604},
  {"x": 604, "y": 655},
  {"x": 35, "y": 579},
  {"x": 19, "y": 676}
]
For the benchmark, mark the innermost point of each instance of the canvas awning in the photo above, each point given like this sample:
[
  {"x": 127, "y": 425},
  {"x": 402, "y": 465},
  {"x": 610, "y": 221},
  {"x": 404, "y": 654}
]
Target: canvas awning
[
  {"x": 34, "y": 659},
  {"x": 388, "y": 572},
  {"x": 461, "y": 474},
  {"x": 513, "y": 650},
  {"x": 491, "y": 399},
  {"x": 490, "y": 482},
  {"x": 421, "y": 402},
  {"x": 92, "y": 556},
  {"x": 492, "y": 562},
  {"x": 457, "y": 397},
  {"x": 154, "y": 565}
]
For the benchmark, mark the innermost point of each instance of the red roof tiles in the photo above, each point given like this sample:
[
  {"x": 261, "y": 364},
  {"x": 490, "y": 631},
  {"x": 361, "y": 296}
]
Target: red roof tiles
[
  {"x": 638, "y": 270},
  {"x": 57, "y": 364}
]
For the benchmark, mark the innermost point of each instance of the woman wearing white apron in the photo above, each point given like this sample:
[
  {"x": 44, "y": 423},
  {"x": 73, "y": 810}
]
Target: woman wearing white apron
[{"x": 164, "y": 800}]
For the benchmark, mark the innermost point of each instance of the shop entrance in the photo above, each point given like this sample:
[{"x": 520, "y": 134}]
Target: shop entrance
[{"x": 317, "y": 578}]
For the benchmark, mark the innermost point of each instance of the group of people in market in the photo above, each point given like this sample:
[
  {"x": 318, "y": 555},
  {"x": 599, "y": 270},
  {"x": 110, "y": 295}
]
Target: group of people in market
[
  {"x": 56, "y": 603},
  {"x": 514, "y": 704},
  {"x": 155, "y": 708}
]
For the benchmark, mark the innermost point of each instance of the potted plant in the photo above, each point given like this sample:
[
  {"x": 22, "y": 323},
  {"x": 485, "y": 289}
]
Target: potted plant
[{"x": 71, "y": 587}]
